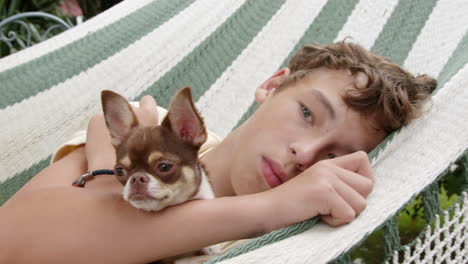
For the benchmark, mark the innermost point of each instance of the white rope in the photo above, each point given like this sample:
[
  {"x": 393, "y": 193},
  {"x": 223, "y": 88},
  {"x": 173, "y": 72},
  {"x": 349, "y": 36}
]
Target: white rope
[{"x": 446, "y": 243}]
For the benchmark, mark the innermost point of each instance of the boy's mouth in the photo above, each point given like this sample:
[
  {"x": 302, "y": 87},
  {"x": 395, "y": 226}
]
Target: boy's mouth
[{"x": 272, "y": 172}]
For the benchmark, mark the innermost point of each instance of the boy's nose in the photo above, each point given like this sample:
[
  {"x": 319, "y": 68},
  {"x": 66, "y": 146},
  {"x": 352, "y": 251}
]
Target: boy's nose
[{"x": 305, "y": 154}]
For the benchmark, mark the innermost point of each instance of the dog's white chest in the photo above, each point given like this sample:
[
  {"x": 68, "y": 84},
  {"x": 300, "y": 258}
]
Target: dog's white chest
[{"x": 205, "y": 191}]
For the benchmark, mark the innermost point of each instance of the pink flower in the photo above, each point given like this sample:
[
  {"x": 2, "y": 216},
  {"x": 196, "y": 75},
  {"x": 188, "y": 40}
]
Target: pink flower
[{"x": 70, "y": 8}]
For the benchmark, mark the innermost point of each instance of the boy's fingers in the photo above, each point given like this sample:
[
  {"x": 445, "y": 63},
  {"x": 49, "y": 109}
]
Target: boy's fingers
[
  {"x": 331, "y": 221},
  {"x": 148, "y": 103},
  {"x": 339, "y": 210},
  {"x": 148, "y": 110},
  {"x": 357, "y": 162},
  {"x": 350, "y": 196},
  {"x": 362, "y": 185}
]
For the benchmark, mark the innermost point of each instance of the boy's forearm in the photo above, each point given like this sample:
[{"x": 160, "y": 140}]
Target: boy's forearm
[
  {"x": 220, "y": 219},
  {"x": 197, "y": 224},
  {"x": 103, "y": 228}
]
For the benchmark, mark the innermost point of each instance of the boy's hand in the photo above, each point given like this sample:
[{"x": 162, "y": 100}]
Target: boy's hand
[
  {"x": 335, "y": 189},
  {"x": 147, "y": 113}
]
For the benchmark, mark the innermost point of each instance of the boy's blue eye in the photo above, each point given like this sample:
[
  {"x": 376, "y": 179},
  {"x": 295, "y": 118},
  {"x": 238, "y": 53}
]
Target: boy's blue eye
[{"x": 306, "y": 112}]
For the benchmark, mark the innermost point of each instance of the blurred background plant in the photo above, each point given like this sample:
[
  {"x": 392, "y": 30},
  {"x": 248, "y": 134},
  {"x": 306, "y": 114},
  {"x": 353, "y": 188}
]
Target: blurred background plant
[
  {"x": 13, "y": 7},
  {"x": 27, "y": 31},
  {"x": 33, "y": 29},
  {"x": 91, "y": 8}
]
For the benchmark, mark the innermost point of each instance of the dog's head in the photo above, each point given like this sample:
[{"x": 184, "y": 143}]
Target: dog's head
[{"x": 157, "y": 165}]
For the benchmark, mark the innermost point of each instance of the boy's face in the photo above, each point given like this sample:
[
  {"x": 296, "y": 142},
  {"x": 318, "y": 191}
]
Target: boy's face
[{"x": 298, "y": 126}]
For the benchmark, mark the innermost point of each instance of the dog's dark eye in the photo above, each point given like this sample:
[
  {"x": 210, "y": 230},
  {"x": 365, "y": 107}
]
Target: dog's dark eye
[
  {"x": 119, "y": 171},
  {"x": 164, "y": 167}
]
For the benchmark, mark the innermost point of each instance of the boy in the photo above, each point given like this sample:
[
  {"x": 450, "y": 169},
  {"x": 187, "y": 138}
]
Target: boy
[{"x": 301, "y": 154}]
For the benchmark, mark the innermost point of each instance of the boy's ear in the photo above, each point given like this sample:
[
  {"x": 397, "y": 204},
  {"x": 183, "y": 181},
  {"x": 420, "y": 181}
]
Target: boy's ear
[
  {"x": 184, "y": 120},
  {"x": 267, "y": 88},
  {"x": 119, "y": 116}
]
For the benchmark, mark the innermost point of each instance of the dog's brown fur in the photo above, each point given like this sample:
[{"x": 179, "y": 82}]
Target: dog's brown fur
[{"x": 143, "y": 149}]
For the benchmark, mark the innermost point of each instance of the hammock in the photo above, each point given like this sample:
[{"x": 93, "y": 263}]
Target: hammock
[{"x": 224, "y": 50}]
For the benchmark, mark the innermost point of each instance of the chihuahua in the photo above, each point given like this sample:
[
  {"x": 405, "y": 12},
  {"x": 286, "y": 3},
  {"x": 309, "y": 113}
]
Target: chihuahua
[{"x": 158, "y": 165}]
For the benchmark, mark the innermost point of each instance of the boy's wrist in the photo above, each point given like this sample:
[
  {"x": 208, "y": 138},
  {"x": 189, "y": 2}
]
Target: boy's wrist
[
  {"x": 283, "y": 209},
  {"x": 270, "y": 212},
  {"x": 264, "y": 211},
  {"x": 250, "y": 214}
]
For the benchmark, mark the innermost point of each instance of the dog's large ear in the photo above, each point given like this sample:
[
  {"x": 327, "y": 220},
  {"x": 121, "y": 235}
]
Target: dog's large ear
[
  {"x": 119, "y": 116},
  {"x": 184, "y": 120}
]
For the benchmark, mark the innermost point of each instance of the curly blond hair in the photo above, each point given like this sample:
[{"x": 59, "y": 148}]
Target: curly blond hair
[{"x": 392, "y": 95}]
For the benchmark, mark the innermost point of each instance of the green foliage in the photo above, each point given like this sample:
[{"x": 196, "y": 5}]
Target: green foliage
[
  {"x": 411, "y": 221},
  {"x": 371, "y": 250},
  {"x": 38, "y": 25},
  {"x": 91, "y": 8},
  {"x": 455, "y": 182},
  {"x": 13, "y": 7}
]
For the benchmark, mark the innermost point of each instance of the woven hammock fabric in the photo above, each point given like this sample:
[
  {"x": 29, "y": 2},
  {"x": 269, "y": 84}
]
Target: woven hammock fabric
[
  {"x": 445, "y": 243},
  {"x": 224, "y": 50}
]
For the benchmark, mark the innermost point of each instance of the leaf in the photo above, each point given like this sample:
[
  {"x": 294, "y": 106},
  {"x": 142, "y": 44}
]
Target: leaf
[
  {"x": 13, "y": 8},
  {"x": 453, "y": 182}
]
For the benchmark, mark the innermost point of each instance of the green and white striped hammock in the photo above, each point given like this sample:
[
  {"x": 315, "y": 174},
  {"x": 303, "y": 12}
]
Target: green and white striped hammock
[{"x": 224, "y": 49}]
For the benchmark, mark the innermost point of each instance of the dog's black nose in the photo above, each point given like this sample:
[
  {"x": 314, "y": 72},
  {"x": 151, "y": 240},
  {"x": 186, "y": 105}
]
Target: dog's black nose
[{"x": 139, "y": 178}]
